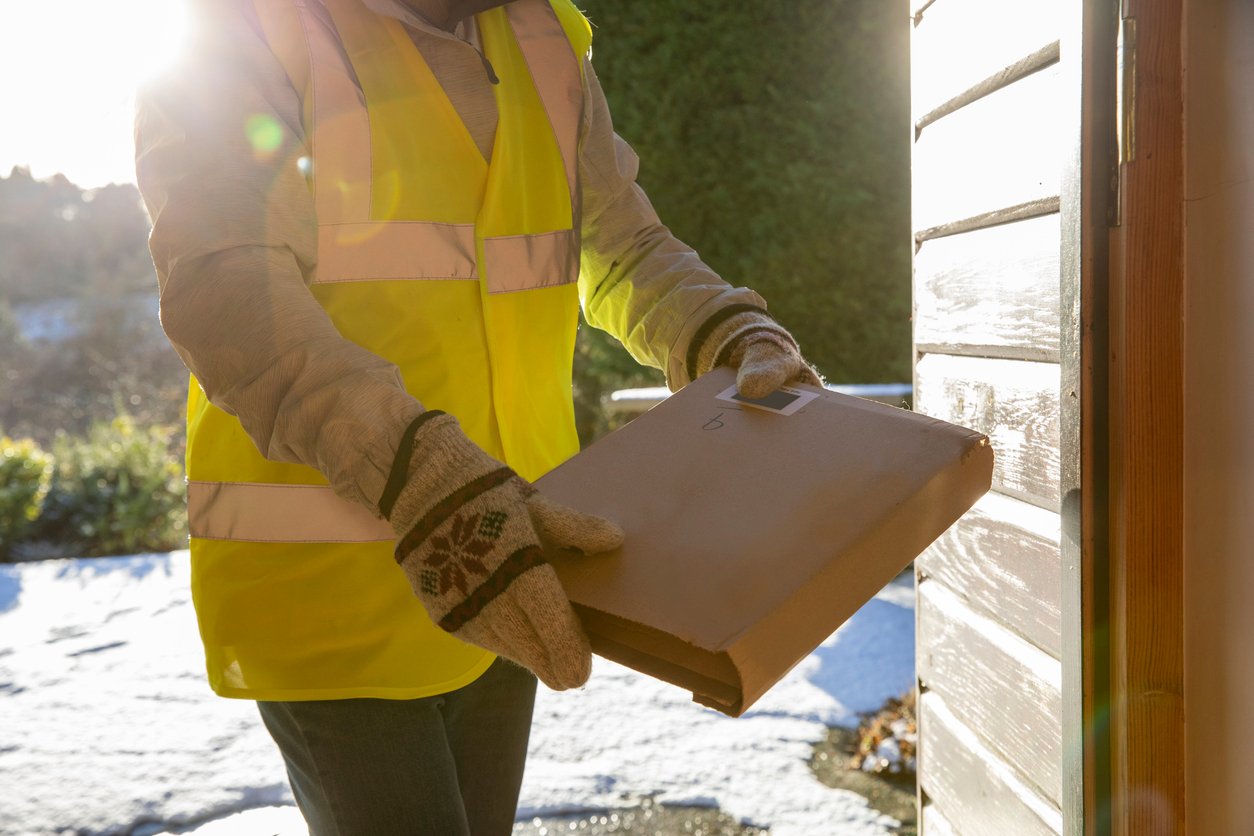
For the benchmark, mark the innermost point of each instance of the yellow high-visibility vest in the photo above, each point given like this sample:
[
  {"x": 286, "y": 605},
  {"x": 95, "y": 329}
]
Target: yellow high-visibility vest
[{"x": 460, "y": 271}]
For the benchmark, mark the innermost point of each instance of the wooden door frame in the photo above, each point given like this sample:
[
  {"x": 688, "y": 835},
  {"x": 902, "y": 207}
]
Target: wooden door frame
[
  {"x": 1123, "y": 400},
  {"x": 1147, "y": 436}
]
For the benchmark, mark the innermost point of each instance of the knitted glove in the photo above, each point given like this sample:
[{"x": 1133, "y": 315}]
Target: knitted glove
[
  {"x": 471, "y": 538},
  {"x": 764, "y": 355}
]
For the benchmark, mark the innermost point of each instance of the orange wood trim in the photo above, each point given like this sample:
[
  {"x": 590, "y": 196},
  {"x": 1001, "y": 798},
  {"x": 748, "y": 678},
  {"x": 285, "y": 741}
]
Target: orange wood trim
[{"x": 1146, "y": 455}]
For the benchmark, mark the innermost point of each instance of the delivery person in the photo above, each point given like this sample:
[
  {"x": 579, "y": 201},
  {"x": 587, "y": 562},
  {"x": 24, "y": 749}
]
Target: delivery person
[{"x": 375, "y": 222}]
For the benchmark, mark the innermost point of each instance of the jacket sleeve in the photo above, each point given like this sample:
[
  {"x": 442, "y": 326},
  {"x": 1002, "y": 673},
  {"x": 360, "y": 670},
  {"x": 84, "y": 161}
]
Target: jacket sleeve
[
  {"x": 219, "y": 159},
  {"x": 638, "y": 281}
]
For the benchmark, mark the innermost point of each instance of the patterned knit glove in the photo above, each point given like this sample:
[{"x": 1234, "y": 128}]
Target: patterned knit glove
[
  {"x": 471, "y": 539},
  {"x": 764, "y": 355}
]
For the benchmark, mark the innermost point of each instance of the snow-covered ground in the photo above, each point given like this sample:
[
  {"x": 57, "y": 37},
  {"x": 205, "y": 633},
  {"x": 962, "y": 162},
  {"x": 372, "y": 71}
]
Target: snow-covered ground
[
  {"x": 107, "y": 725},
  {"x": 53, "y": 321}
]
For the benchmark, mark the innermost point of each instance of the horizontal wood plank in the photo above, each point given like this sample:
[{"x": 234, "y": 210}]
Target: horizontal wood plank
[
  {"x": 981, "y": 796},
  {"x": 1003, "y": 559},
  {"x": 1037, "y": 61},
  {"x": 994, "y": 291},
  {"x": 1007, "y": 691},
  {"x": 932, "y": 822},
  {"x": 984, "y": 220},
  {"x": 956, "y": 44},
  {"x": 1015, "y": 403},
  {"x": 1001, "y": 151}
]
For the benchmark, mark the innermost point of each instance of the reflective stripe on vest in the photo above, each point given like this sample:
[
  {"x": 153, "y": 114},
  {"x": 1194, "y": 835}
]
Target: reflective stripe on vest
[
  {"x": 279, "y": 514},
  {"x": 361, "y": 252}
]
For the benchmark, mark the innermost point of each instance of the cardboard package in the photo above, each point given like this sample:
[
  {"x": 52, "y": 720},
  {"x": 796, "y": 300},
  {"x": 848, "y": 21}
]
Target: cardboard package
[{"x": 753, "y": 534}]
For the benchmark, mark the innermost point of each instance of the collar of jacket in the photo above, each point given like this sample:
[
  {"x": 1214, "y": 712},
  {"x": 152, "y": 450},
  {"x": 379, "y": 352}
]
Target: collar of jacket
[{"x": 421, "y": 13}]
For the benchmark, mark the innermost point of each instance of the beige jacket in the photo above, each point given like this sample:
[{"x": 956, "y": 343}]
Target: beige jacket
[{"x": 234, "y": 236}]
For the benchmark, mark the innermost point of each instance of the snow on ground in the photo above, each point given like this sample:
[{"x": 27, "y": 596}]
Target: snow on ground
[
  {"x": 54, "y": 321},
  {"x": 107, "y": 725}
]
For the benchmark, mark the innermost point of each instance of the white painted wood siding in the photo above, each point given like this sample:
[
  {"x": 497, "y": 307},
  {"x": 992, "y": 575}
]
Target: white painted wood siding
[{"x": 987, "y": 169}]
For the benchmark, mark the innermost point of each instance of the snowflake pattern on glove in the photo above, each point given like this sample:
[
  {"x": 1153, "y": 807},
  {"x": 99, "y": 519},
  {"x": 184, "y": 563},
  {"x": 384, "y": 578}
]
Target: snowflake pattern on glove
[
  {"x": 459, "y": 553},
  {"x": 492, "y": 524}
]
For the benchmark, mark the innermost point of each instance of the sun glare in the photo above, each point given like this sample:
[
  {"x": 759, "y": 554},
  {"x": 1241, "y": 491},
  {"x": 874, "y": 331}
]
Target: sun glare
[{"x": 71, "y": 70}]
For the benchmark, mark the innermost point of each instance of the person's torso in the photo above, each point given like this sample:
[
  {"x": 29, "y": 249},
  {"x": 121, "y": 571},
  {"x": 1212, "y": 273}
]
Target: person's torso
[{"x": 457, "y": 266}]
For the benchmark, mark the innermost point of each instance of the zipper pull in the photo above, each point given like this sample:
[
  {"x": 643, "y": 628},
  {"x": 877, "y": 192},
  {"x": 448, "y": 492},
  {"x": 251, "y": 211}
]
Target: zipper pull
[{"x": 487, "y": 65}]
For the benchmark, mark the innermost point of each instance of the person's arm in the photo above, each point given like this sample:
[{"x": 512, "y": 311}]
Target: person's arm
[
  {"x": 218, "y": 141},
  {"x": 652, "y": 291}
]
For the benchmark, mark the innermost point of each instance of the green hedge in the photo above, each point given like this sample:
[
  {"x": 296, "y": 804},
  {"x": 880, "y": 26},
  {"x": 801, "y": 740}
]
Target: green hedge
[
  {"x": 774, "y": 138},
  {"x": 25, "y": 473},
  {"x": 117, "y": 490}
]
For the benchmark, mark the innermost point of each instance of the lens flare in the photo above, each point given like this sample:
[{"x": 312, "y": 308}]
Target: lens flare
[
  {"x": 71, "y": 70},
  {"x": 265, "y": 134}
]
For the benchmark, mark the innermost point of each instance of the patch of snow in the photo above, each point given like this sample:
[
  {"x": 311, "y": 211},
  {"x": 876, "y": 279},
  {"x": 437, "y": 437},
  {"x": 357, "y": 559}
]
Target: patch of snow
[
  {"x": 109, "y": 727},
  {"x": 54, "y": 321},
  {"x": 51, "y": 321},
  {"x": 887, "y": 757},
  {"x": 260, "y": 821}
]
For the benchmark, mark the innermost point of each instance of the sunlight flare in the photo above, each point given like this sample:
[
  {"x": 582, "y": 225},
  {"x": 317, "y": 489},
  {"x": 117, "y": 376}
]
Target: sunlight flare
[{"x": 73, "y": 68}]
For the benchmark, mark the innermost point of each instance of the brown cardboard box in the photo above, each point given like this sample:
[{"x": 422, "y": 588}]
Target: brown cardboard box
[{"x": 752, "y": 535}]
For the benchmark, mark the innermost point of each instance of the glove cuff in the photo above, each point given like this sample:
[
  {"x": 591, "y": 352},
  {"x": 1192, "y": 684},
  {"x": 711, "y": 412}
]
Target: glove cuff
[
  {"x": 398, "y": 477},
  {"x": 731, "y": 335},
  {"x": 437, "y": 470},
  {"x": 704, "y": 336}
]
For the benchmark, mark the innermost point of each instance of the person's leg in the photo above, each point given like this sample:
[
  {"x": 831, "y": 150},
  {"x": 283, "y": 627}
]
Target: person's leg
[
  {"x": 489, "y": 722},
  {"x": 364, "y": 766}
]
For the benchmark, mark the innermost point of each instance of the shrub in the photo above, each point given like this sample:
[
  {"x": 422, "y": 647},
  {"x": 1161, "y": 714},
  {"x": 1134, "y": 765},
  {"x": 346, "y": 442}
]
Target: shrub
[
  {"x": 602, "y": 366},
  {"x": 25, "y": 472},
  {"x": 774, "y": 139},
  {"x": 116, "y": 491}
]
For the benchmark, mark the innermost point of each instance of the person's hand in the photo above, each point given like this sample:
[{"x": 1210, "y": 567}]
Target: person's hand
[
  {"x": 765, "y": 361},
  {"x": 764, "y": 355},
  {"x": 471, "y": 538}
]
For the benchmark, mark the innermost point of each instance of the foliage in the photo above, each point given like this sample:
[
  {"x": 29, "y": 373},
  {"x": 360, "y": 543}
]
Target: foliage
[
  {"x": 116, "y": 491},
  {"x": 79, "y": 259},
  {"x": 601, "y": 367},
  {"x": 774, "y": 138},
  {"x": 116, "y": 360},
  {"x": 58, "y": 240},
  {"x": 25, "y": 472}
]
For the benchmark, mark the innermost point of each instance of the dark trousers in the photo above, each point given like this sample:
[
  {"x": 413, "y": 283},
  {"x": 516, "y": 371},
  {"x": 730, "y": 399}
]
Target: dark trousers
[{"x": 445, "y": 765}]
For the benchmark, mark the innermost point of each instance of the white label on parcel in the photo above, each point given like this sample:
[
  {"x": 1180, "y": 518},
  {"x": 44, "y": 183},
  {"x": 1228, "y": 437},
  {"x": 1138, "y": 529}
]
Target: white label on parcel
[{"x": 783, "y": 401}]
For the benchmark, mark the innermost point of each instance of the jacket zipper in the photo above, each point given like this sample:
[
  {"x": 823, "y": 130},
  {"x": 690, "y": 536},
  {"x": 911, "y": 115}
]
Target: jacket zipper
[{"x": 487, "y": 65}]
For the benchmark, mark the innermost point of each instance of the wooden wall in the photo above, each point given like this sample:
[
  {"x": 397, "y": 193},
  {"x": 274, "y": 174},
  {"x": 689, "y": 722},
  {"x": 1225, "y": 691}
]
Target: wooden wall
[
  {"x": 988, "y": 157},
  {"x": 1218, "y": 403}
]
